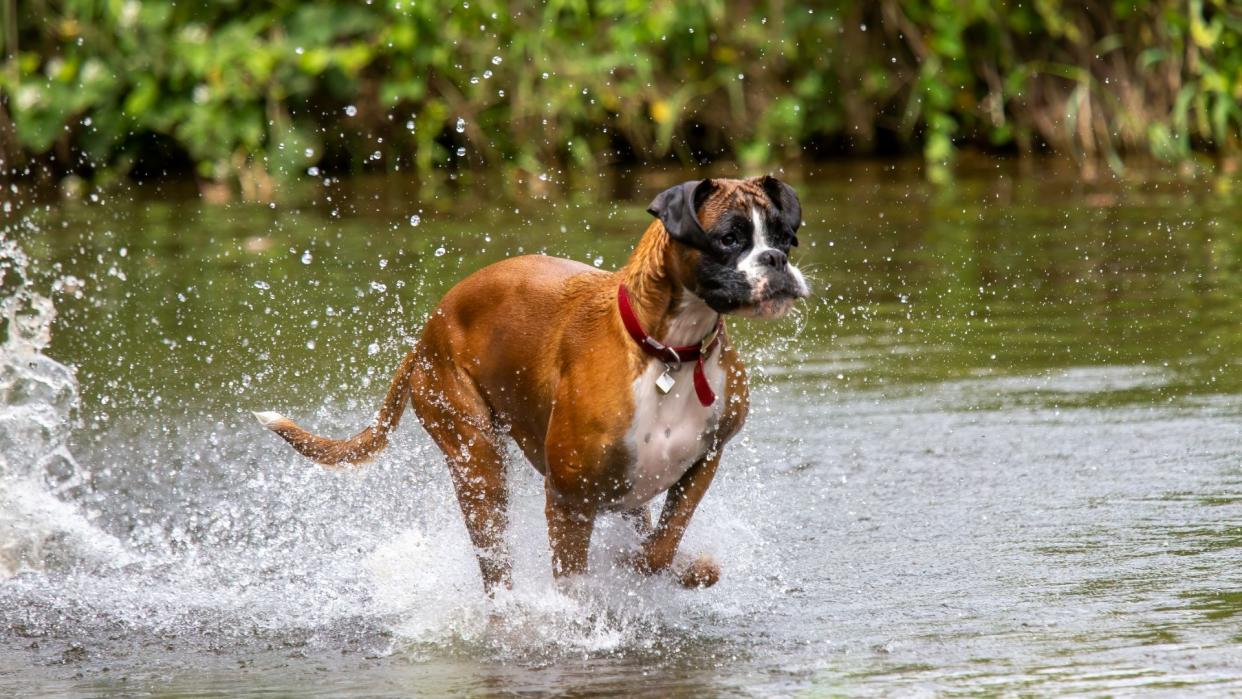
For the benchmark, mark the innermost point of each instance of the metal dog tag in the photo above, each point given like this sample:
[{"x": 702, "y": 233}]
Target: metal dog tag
[{"x": 665, "y": 382}]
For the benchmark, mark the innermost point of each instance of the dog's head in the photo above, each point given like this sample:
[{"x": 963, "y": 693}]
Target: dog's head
[{"x": 734, "y": 238}]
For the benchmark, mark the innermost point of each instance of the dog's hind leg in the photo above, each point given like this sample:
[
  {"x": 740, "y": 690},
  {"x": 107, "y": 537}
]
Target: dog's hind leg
[
  {"x": 478, "y": 473},
  {"x": 461, "y": 425},
  {"x": 569, "y": 533}
]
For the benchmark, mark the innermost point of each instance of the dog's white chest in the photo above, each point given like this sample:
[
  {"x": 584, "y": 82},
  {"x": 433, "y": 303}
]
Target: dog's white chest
[{"x": 670, "y": 431}]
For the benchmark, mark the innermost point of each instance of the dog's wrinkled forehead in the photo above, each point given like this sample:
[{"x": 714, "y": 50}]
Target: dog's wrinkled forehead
[
  {"x": 733, "y": 195},
  {"x": 695, "y": 213}
]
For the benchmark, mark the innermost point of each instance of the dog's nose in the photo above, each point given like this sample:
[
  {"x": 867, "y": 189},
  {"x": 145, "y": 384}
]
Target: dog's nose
[{"x": 774, "y": 259}]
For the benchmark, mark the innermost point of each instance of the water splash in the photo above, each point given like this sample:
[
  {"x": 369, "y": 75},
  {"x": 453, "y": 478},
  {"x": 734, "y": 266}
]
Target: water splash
[
  {"x": 38, "y": 409},
  {"x": 201, "y": 533}
]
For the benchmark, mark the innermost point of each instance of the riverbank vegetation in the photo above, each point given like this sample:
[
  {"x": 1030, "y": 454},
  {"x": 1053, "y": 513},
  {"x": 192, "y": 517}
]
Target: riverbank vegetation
[{"x": 247, "y": 94}]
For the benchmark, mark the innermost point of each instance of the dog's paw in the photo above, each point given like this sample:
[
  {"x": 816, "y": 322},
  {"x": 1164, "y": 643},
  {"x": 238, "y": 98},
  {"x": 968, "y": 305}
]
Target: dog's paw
[{"x": 703, "y": 572}]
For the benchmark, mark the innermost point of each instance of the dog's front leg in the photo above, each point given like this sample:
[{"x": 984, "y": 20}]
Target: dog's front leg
[{"x": 679, "y": 505}]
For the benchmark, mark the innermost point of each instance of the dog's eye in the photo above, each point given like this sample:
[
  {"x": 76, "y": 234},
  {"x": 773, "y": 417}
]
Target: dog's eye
[{"x": 728, "y": 240}]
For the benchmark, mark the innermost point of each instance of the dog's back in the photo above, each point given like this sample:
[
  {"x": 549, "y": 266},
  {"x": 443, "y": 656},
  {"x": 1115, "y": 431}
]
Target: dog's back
[{"x": 499, "y": 369}]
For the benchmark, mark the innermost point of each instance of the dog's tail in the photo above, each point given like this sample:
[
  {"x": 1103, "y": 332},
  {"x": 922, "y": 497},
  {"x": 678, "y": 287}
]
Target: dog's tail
[{"x": 360, "y": 447}]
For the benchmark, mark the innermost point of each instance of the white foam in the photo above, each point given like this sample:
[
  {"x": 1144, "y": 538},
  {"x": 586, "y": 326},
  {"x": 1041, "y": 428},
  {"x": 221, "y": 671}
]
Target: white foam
[
  {"x": 40, "y": 532},
  {"x": 426, "y": 578}
]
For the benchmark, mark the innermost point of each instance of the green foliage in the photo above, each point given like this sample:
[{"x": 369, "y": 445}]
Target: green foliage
[{"x": 257, "y": 89}]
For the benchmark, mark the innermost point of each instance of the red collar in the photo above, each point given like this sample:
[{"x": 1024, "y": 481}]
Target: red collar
[{"x": 675, "y": 355}]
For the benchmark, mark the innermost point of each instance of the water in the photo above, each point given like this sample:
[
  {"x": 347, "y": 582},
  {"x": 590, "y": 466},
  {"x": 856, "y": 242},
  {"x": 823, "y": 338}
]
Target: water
[{"x": 1000, "y": 452}]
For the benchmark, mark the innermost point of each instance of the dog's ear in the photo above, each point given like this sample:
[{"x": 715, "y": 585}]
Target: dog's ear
[
  {"x": 676, "y": 208},
  {"x": 786, "y": 203}
]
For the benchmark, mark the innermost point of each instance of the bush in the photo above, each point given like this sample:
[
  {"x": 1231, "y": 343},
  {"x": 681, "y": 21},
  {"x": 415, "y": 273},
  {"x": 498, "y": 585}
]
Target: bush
[{"x": 240, "y": 91}]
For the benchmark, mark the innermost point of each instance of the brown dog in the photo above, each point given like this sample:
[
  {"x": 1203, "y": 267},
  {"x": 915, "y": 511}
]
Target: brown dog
[{"x": 563, "y": 358}]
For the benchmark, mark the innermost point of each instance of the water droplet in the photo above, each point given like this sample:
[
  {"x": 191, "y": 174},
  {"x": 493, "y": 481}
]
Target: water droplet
[
  {"x": 351, "y": 110},
  {"x": 461, "y": 125},
  {"x": 440, "y": 251},
  {"x": 262, "y": 285},
  {"x": 598, "y": 261},
  {"x": 496, "y": 60},
  {"x": 373, "y": 348},
  {"x": 307, "y": 257},
  {"x": 461, "y": 151},
  {"x": 376, "y": 286}
]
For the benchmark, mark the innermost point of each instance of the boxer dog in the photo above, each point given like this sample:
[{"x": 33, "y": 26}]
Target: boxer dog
[{"x": 617, "y": 386}]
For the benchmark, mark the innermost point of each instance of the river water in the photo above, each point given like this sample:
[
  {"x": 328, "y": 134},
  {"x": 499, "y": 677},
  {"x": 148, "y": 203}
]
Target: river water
[{"x": 999, "y": 452}]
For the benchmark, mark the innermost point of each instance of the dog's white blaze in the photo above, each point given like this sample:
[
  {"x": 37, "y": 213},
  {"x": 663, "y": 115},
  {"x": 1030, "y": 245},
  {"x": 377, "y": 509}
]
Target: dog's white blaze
[
  {"x": 669, "y": 431},
  {"x": 749, "y": 265}
]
